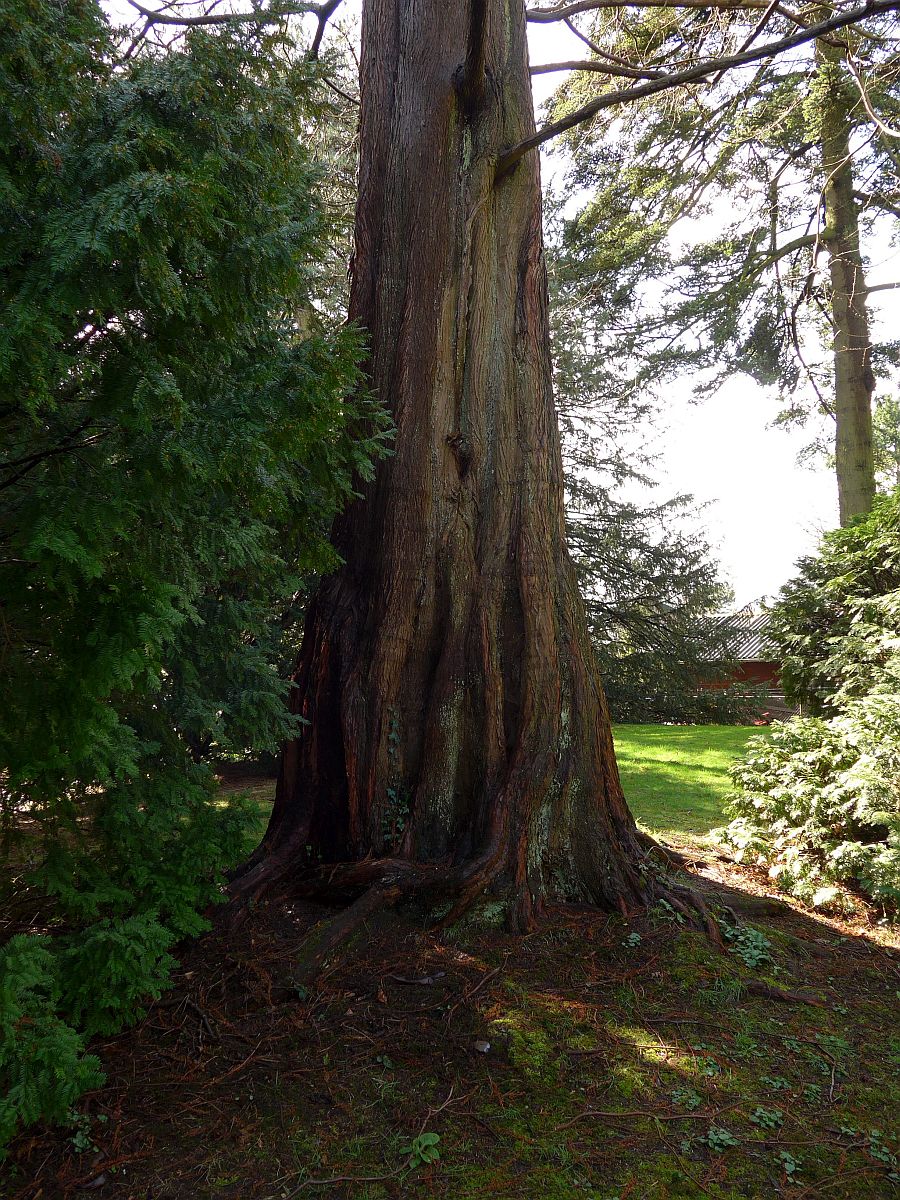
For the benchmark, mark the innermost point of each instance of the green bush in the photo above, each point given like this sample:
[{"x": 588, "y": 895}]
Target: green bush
[
  {"x": 836, "y": 625},
  {"x": 818, "y": 800},
  {"x": 179, "y": 425},
  {"x": 43, "y": 1067},
  {"x": 819, "y": 803}
]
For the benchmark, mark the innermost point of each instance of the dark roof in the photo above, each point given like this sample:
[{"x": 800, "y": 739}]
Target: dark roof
[{"x": 748, "y": 639}]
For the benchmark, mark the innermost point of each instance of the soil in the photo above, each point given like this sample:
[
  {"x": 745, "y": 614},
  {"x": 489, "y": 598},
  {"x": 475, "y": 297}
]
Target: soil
[{"x": 601, "y": 1056}]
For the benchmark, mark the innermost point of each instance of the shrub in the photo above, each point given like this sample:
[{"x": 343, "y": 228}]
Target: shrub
[
  {"x": 818, "y": 800},
  {"x": 43, "y": 1067},
  {"x": 180, "y": 424},
  {"x": 837, "y": 624}
]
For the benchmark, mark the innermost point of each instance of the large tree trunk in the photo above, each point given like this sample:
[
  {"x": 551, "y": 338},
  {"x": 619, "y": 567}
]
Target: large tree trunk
[
  {"x": 456, "y": 722},
  {"x": 854, "y": 381}
]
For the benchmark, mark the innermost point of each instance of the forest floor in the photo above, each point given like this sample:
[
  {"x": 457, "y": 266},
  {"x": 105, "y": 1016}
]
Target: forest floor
[{"x": 598, "y": 1057}]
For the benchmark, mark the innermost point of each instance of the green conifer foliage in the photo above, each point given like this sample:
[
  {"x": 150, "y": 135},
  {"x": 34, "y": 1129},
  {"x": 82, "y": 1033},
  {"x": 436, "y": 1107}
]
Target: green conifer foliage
[{"x": 178, "y": 427}]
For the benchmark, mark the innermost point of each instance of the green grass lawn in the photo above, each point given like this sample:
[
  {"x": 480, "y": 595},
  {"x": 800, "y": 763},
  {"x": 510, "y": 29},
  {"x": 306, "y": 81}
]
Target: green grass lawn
[{"x": 676, "y": 776}]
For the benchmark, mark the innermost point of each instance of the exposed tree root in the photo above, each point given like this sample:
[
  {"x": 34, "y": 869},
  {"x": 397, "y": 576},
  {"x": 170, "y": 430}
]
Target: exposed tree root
[
  {"x": 693, "y": 908},
  {"x": 374, "y": 884},
  {"x": 672, "y": 858},
  {"x": 328, "y": 936},
  {"x": 757, "y": 987}
]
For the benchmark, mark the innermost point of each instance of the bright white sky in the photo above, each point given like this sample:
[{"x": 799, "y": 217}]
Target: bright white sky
[{"x": 764, "y": 511}]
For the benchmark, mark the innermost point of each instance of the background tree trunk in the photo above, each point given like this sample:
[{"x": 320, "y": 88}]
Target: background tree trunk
[
  {"x": 455, "y": 717},
  {"x": 854, "y": 381}
]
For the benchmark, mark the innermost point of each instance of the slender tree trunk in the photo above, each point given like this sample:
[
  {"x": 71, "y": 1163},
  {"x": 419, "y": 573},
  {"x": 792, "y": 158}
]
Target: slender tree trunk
[
  {"x": 456, "y": 726},
  {"x": 854, "y": 382}
]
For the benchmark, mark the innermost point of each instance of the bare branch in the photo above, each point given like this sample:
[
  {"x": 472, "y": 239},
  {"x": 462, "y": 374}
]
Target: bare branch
[
  {"x": 260, "y": 16},
  {"x": 882, "y": 287},
  {"x": 593, "y": 64},
  {"x": 754, "y": 33},
  {"x": 876, "y": 200},
  {"x": 324, "y": 14},
  {"x": 887, "y": 130},
  {"x": 562, "y": 12},
  {"x": 691, "y": 75}
]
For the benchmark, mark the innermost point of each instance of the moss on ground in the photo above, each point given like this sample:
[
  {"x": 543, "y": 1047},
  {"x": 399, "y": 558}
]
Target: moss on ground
[
  {"x": 580, "y": 1062},
  {"x": 597, "y": 1058}
]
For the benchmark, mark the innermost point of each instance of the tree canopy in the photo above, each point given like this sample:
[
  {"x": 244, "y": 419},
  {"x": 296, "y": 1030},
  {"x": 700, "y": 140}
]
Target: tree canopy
[{"x": 726, "y": 225}]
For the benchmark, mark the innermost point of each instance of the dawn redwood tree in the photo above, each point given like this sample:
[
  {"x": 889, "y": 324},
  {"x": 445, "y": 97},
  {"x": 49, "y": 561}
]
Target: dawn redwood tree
[
  {"x": 456, "y": 732},
  {"x": 455, "y": 735}
]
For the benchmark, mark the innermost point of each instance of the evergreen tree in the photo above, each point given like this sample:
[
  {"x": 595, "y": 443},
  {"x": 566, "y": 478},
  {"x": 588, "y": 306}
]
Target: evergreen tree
[
  {"x": 886, "y": 434},
  {"x": 789, "y": 167},
  {"x": 650, "y": 583},
  {"x": 179, "y": 427}
]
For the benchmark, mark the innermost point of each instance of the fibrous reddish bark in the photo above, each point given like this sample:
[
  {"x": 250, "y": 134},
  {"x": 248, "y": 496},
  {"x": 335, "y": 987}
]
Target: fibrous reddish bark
[{"x": 456, "y": 727}]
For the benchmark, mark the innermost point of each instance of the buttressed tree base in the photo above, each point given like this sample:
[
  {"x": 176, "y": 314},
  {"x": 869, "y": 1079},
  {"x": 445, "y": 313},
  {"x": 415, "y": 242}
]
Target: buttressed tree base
[{"x": 456, "y": 735}]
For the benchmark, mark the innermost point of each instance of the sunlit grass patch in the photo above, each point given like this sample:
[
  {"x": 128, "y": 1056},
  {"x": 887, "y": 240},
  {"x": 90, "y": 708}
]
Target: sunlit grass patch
[{"x": 676, "y": 777}]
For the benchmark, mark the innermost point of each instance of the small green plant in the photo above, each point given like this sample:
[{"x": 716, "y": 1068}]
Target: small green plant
[
  {"x": 812, "y": 1093},
  {"x": 777, "y": 1083},
  {"x": 767, "y": 1118},
  {"x": 422, "y": 1150},
  {"x": 687, "y": 1097},
  {"x": 837, "y": 1047},
  {"x": 708, "y": 1067},
  {"x": 724, "y": 993},
  {"x": 631, "y": 940},
  {"x": 788, "y": 1163},
  {"x": 396, "y": 814},
  {"x": 747, "y": 1047},
  {"x": 719, "y": 1139},
  {"x": 81, "y": 1139},
  {"x": 751, "y": 946},
  {"x": 881, "y": 1153},
  {"x": 664, "y": 911}
]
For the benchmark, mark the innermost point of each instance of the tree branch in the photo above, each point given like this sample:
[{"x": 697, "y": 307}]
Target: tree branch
[
  {"x": 561, "y": 12},
  {"x": 324, "y": 14},
  {"x": 874, "y": 200},
  {"x": 752, "y": 36},
  {"x": 772, "y": 256},
  {"x": 592, "y": 64},
  {"x": 887, "y": 130},
  {"x": 690, "y": 75},
  {"x": 261, "y": 16}
]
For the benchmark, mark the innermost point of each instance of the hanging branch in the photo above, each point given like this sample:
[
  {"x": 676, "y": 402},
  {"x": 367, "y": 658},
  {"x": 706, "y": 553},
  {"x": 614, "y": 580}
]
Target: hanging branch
[
  {"x": 700, "y": 71},
  {"x": 883, "y": 127}
]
